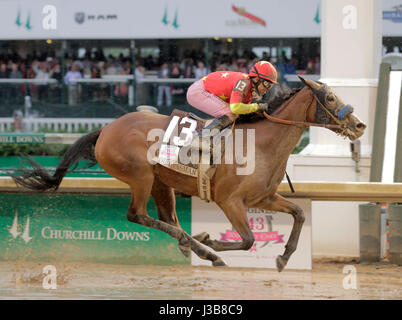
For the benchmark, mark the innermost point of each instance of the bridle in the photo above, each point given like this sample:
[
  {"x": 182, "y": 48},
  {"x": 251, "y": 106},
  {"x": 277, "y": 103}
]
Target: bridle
[{"x": 342, "y": 113}]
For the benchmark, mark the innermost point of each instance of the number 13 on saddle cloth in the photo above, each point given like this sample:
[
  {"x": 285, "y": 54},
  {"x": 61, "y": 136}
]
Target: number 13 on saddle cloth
[{"x": 176, "y": 153}]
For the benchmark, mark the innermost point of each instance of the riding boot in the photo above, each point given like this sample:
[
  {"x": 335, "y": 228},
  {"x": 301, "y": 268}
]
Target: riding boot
[{"x": 218, "y": 124}]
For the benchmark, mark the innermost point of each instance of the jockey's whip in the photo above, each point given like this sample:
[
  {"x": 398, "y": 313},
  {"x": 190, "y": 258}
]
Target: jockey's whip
[{"x": 290, "y": 182}]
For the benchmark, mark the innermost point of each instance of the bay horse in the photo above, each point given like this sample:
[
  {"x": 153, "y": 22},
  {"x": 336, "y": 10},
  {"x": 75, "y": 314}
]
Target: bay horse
[{"x": 121, "y": 150}]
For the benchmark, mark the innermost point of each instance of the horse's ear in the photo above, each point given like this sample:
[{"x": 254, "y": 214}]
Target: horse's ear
[{"x": 310, "y": 83}]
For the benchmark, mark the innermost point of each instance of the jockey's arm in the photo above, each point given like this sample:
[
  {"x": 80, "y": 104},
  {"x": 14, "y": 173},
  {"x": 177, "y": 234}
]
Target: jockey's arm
[
  {"x": 236, "y": 99},
  {"x": 243, "y": 108}
]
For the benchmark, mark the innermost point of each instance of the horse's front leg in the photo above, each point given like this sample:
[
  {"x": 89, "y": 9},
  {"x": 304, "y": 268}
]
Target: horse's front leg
[
  {"x": 280, "y": 204},
  {"x": 235, "y": 211}
]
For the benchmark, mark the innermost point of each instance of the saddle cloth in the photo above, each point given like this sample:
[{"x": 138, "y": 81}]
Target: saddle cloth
[{"x": 177, "y": 153}]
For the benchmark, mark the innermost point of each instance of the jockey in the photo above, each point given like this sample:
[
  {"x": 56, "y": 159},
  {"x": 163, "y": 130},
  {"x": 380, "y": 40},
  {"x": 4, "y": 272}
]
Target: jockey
[{"x": 226, "y": 94}]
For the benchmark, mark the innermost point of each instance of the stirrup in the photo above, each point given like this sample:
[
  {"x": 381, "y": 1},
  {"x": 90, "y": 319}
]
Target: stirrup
[
  {"x": 219, "y": 123},
  {"x": 216, "y": 124}
]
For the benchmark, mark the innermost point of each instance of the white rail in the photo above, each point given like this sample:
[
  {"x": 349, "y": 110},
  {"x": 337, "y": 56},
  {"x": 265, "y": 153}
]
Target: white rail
[
  {"x": 316, "y": 191},
  {"x": 31, "y": 81},
  {"x": 68, "y": 124}
]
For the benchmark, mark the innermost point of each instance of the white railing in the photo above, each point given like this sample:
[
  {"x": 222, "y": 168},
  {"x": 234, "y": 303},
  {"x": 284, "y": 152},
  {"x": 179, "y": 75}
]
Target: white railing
[
  {"x": 295, "y": 78},
  {"x": 30, "y": 81},
  {"x": 69, "y": 124}
]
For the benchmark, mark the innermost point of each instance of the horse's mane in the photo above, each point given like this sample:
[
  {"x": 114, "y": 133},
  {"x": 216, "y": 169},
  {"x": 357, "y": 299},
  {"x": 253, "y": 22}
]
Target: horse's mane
[{"x": 276, "y": 97}]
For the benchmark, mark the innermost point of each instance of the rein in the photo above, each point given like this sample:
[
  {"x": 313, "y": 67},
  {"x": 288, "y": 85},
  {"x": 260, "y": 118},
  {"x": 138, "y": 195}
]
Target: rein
[{"x": 338, "y": 124}]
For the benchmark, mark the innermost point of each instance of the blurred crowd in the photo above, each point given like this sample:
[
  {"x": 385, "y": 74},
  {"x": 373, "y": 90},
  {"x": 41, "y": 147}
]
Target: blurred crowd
[
  {"x": 192, "y": 66},
  {"x": 50, "y": 68}
]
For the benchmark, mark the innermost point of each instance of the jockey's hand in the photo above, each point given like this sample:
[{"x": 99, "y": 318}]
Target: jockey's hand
[{"x": 263, "y": 107}]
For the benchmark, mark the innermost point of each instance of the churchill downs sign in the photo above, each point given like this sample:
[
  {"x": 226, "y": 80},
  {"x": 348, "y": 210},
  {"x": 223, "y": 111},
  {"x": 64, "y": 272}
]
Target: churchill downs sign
[{"x": 83, "y": 228}]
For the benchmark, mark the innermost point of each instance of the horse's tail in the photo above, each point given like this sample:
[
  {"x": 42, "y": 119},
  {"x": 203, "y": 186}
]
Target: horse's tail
[{"x": 39, "y": 179}]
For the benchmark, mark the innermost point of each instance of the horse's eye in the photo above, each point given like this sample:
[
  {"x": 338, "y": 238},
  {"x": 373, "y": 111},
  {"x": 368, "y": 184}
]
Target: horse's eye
[{"x": 331, "y": 98}]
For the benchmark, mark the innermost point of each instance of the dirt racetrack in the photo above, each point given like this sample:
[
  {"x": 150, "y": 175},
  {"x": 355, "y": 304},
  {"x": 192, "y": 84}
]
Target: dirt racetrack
[{"x": 23, "y": 280}]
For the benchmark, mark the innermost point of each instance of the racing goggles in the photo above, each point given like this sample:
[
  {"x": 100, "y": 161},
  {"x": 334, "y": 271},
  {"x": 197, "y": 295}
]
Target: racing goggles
[{"x": 267, "y": 84}]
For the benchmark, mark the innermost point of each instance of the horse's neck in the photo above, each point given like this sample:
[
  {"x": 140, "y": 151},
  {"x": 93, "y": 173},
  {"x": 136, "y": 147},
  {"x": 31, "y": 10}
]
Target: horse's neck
[
  {"x": 296, "y": 107},
  {"x": 281, "y": 138}
]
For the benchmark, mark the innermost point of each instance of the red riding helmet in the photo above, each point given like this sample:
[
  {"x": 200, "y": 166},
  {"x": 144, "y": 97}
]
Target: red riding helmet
[{"x": 264, "y": 70}]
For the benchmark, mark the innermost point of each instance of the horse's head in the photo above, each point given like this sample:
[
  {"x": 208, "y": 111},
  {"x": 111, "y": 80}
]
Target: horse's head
[{"x": 332, "y": 110}]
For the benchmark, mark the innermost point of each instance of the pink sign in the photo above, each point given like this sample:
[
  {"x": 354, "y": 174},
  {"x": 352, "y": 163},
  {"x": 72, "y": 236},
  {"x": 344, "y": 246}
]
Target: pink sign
[{"x": 258, "y": 236}]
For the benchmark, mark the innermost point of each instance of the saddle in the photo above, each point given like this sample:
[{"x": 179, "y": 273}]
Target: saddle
[{"x": 179, "y": 153}]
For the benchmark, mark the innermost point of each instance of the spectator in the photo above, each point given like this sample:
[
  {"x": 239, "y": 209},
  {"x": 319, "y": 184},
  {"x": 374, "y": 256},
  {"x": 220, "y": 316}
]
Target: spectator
[
  {"x": 201, "y": 70},
  {"x": 3, "y": 71},
  {"x": 164, "y": 89},
  {"x": 290, "y": 66},
  {"x": 189, "y": 71},
  {"x": 242, "y": 65},
  {"x": 110, "y": 68},
  {"x": 95, "y": 73},
  {"x": 55, "y": 73},
  {"x": 176, "y": 73},
  {"x": 101, "y": 68},
  {"x": 4, "y": 92},
  {"x": 41, "y": 73},
  {"x": 149, "y": 63},
  {"x": 70, "y": 80},
  {"x": 141, "y": 88},
  {"x": 87, "y": 73},
  {"x": 121, "y": 89},
  {"x": 139, "y": 72},
  {"x": 188, "y": 68},
  {"x": 56, "y": 88},
  {"x": 222, "y": 66},
  {"x": 310, "y": 67},
  {"x": 15, "y": 89},
  {"x": 265, "y": 56},
  {"x": 317, "y": 65},
  {"x": 15, "y": 72},
  {"x": 30, "y": 73}
]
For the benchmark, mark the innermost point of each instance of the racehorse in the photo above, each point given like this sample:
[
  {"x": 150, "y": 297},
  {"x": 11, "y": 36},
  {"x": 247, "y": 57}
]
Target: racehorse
[{"x": 121, "y": 150}]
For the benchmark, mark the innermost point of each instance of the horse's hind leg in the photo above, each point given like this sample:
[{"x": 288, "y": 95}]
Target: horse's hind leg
[
  {"x": 137, "y": 213},
  {"x": 165, "y": 202}
]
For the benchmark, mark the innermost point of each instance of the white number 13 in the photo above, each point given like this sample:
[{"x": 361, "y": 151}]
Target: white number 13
[{"x": 187, "y": 131}]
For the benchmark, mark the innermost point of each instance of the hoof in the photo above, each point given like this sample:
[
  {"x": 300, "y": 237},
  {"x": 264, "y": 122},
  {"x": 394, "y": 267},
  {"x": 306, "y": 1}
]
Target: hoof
[
  {"x": 202, "y": 237},
  {"x": 219, "y": 263},
  {"x": 280, "y": 263},
  {"x": 185, "y": 250}
]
